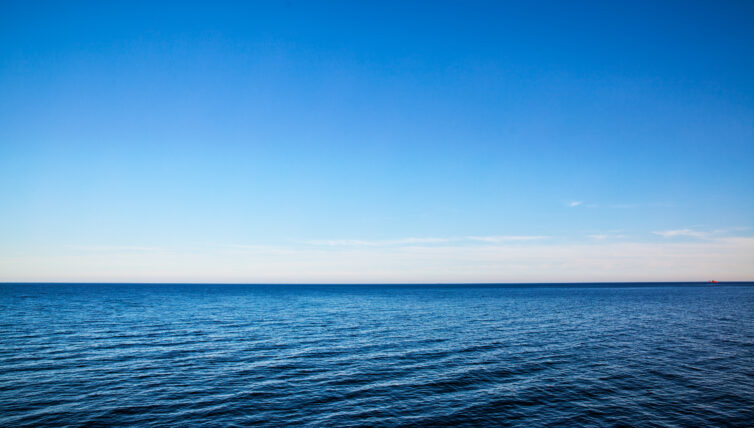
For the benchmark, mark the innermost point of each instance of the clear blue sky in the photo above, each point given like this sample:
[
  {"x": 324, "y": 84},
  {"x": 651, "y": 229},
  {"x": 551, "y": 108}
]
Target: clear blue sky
[{"x": 383, "y": 141}]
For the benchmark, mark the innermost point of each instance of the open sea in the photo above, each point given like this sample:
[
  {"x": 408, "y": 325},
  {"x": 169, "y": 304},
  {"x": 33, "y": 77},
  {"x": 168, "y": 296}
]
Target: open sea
[{"x": 377, "y": 355}]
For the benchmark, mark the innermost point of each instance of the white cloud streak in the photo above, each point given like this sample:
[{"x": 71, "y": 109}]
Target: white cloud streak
[
  {"x": 496, "y": 239},
  {"x": 377, "y": 243},
  {"x": 683, "y": 232},
  {"x": 114, "y": 248},
  {"x": 420, "y": 241}
]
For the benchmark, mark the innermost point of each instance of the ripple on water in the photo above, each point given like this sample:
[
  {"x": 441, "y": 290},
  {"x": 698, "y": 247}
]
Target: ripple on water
[{"x": 376, "y": 355}]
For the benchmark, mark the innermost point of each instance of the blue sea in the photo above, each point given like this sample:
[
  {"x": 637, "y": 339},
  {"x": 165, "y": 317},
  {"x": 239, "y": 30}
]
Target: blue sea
[{"x": 376, "y": 355}]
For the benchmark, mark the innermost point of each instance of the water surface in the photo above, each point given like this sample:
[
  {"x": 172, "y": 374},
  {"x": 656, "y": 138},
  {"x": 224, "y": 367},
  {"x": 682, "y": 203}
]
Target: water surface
[{"x": 221, "y": 355}]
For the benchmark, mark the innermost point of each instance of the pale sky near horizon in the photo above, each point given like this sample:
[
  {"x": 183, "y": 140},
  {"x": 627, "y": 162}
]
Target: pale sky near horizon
[{"x": 376, "y": 142}]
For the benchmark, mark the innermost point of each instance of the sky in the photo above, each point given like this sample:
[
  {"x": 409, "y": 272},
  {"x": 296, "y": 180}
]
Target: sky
[{"x": 383, "y": 141}]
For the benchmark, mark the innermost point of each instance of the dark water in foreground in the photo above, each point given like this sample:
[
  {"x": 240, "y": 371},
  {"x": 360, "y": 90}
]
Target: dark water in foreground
[{"x": 222, "y": 355}]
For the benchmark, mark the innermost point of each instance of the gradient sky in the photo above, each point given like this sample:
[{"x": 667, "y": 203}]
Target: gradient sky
[{"x": 376, "y": 142}]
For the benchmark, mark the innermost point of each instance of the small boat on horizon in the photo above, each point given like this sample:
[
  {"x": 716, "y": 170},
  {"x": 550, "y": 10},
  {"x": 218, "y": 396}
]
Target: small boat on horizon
[{"x": 712, "y": 281}]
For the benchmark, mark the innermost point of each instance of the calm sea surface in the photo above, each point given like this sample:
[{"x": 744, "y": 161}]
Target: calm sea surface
[{"x": 221, "y": 355}]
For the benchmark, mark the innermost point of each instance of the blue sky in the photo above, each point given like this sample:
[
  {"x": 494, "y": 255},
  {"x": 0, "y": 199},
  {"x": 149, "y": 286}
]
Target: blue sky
[{"x": 362, "y": 142}]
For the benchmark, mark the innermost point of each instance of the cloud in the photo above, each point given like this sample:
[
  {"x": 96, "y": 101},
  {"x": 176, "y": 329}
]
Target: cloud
[
  {"x": 506, "y": 238},
  {"x": 376, "y": 243},
  {"x": 420, "y": 241},
  {"x": 604, "y": 236},
  {"x": 620, "y": 206},
  {"x": 114, "y": 248},
  {"x": 682, "y": 232}
]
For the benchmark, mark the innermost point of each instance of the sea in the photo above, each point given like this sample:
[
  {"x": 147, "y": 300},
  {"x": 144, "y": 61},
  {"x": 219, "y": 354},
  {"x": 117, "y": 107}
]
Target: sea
[{"x": 666, "y": 354}]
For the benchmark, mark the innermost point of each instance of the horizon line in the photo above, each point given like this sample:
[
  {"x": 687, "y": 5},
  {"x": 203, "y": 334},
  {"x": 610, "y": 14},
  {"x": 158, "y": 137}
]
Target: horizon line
[{"x": 367, "y": 283}]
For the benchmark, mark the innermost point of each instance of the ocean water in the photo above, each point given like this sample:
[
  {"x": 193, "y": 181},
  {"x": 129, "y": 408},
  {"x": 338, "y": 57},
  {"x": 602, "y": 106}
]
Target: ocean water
[{"x": 376, "y": 355}]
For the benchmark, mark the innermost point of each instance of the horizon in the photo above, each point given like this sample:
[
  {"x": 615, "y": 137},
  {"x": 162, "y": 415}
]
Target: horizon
[
  {"x": 399, "y": 142},
  {"x": 708, "y": 282}
]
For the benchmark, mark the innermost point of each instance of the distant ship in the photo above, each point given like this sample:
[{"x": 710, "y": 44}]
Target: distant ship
[{"x": 712, "y": 281}]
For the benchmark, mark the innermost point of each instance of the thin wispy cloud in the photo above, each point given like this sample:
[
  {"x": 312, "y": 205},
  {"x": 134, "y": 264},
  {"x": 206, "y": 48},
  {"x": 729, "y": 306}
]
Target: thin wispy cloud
[
  {"x": 613, "y": 234},
  {"x": 115, "y": 248},
  {"x": 683, "y": 232},
  {"x": 617, "y": 206},
  {"x": 506, "y": 238},
  {"x": 377, "y": 243},
  {"x": 422, "y": 241}
]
